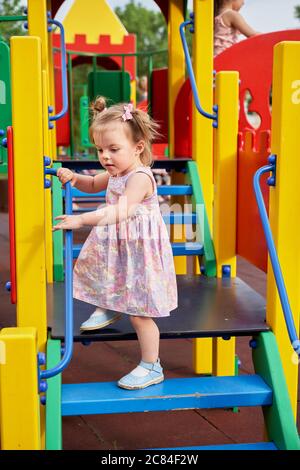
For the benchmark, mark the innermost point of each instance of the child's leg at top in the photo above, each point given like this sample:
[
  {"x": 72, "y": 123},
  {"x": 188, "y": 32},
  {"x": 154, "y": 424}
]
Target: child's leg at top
[{"x": 149, "y": 370}]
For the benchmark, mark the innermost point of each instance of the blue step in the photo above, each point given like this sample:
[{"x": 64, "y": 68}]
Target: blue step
[
  {"x": 179, "y": 249},
  {"x": 173, "y": 190},
  {"x": 172, "y": 394},
  {"x": 246, "y": 446}
]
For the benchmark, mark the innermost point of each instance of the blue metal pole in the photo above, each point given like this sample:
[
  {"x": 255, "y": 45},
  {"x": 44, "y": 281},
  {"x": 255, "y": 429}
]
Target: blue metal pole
[
  {"x": 68, "y": 349},
  {"x": 214, "y": 116},
  {"x": 65, "y": 104},
  {"x": 274, "y": 258}
]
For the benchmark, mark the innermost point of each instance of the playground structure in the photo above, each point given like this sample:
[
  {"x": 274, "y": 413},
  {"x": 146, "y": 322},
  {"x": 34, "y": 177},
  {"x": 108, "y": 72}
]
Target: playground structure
[{"x": 214, "y": 307}]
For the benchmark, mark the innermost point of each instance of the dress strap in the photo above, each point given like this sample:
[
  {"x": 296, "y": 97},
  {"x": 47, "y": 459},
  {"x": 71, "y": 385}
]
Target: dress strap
[
  {"x": 147, "y": 171},
  {"x": 223, "y": 12}
]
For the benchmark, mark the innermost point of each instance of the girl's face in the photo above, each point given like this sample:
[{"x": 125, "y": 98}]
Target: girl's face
[
  {"x": 237, "y": 4},
  {"x": 117, "y": 152}
]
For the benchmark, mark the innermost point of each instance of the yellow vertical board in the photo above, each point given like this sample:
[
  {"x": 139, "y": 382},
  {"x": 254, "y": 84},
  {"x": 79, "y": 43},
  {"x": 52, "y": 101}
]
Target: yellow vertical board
[
  {"x": 176, "y": 69},
  {"x": 176, "y": 77},
  {"x": 285, "y": 201},
  {"x": 202, "y": 137},
  {"x": 27, "y": 120},
  {"x": 48, "y": 199},
  {"x": 38, "y": 26},
  {"x": 225, "y": 197},
  {"x": 223, "y": 357},
  {"x": 133, "y": 92},
  {"x": 225, "y": 171},
  {"x": 203, "y": 70},
  {"x": 19, "y": 399},
  {"x": 202, "y": 356}
]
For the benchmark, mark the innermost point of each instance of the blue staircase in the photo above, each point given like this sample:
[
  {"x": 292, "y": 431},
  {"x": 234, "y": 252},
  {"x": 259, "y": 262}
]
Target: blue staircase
[{"x": 266, "y": 388}]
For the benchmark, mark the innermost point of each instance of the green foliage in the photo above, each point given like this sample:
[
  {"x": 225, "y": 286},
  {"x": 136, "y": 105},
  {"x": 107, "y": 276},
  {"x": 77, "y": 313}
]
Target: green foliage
[
  {"x": 297, "y": 12},
  {"x": 151, "y": 32},
  {"x": 11, "y": 28}
]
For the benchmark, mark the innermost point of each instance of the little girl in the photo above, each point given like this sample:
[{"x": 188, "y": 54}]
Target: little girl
[
  {"x": 229, "y": 24},
  {"x": 126, "y": 264}
]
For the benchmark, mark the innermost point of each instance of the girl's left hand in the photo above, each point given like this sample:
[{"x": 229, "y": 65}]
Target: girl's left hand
[{"x": 68, "y": 222}]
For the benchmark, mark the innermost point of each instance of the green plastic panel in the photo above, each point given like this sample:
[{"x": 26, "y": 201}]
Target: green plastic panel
[
  {"x": 53, "y": 402},
  {"x": 198, "y": 202},
  {"x": 113, "y": 85},
  {"x": 279, "y": 418},
  {"x": 57, "y": 209},
  {"x": 5, "y": 100}
]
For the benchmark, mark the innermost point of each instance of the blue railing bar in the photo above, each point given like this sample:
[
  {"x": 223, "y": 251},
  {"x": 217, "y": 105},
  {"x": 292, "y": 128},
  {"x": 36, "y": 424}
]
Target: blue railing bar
[
  {"x": 274, "y": 258},
  {"x": 68, "y": 345},
  {"x": 214, "y": 117},
  {"x": 178, "y": 249},
  {"x": 64, "y": 82},
  {"x": 179, "y": 190}
]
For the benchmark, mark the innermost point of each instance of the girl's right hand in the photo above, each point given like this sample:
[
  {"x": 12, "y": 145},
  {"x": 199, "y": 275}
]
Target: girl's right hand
[{"x": 65, "y": 175}]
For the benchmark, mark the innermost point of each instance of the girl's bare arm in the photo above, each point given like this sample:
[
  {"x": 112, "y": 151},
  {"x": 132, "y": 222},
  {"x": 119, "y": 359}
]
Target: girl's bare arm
[{"x": 236, "y": 21}]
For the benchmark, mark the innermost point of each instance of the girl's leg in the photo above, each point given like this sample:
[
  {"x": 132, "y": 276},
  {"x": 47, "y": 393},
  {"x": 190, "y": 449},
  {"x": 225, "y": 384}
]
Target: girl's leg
[{"x": 148, "y": 336}]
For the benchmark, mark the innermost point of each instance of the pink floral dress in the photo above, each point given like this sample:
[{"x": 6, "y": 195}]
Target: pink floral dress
[
  {"x": 224, "y": 36},
  {"x": 128, "y": 267}
]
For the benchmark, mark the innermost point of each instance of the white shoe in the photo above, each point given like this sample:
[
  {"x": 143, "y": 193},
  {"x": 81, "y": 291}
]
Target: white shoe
[{"x": 99, "y": 319}]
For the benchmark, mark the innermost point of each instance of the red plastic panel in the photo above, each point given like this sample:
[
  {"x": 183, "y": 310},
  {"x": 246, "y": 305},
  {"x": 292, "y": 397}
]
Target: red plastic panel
[
  {"x": 63, "y": 124},
  {"x": 183, "y": 121},
  {"x": 160, "y": 101},
  {"x": 253, "y": 59},
  {"x": 11, "y": 215},
  {"x": 253, "y": 153}
]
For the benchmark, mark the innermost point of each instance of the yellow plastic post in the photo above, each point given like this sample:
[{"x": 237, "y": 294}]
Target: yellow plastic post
[
  {"x": 285, "y": 201},
  {"x": 19, "y": 399},
  {"x": 225, "y": 171},
  {"x": 225, "y": 196},
  {"x": 176, "y": 70},
  {"x": 27, "y": 120},
  {"x": 48, "y": 199},
  {"x": 203, "y": 137},
  {"x": 38, "y": 26},
  {"x": 176, "y": 78},
  {"x": 202, "y": 127}
]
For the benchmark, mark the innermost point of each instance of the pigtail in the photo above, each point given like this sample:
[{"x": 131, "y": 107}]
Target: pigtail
[
  {"x": 97, "y": 106},
  {"x": 145, "y": 128}
]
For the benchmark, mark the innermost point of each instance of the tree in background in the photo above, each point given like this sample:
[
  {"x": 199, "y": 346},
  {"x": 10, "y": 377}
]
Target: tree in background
[
  {"x": 11, "y": 28},
  {"x": 151, "y": 32},
  {"x": 297, "y": 12}
]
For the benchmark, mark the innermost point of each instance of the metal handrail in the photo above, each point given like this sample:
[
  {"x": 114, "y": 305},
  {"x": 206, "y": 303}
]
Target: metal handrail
[
  {"x": 64, "y": 82},
  {"x": 214, "y": 116},
  {"x": 284, "y": 300},
  {"x": 68, "y": 344}
]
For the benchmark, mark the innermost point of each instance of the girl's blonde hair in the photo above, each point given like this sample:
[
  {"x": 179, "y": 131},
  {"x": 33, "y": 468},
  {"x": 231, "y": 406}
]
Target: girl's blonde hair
[{"x": 141, "y": 126}]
